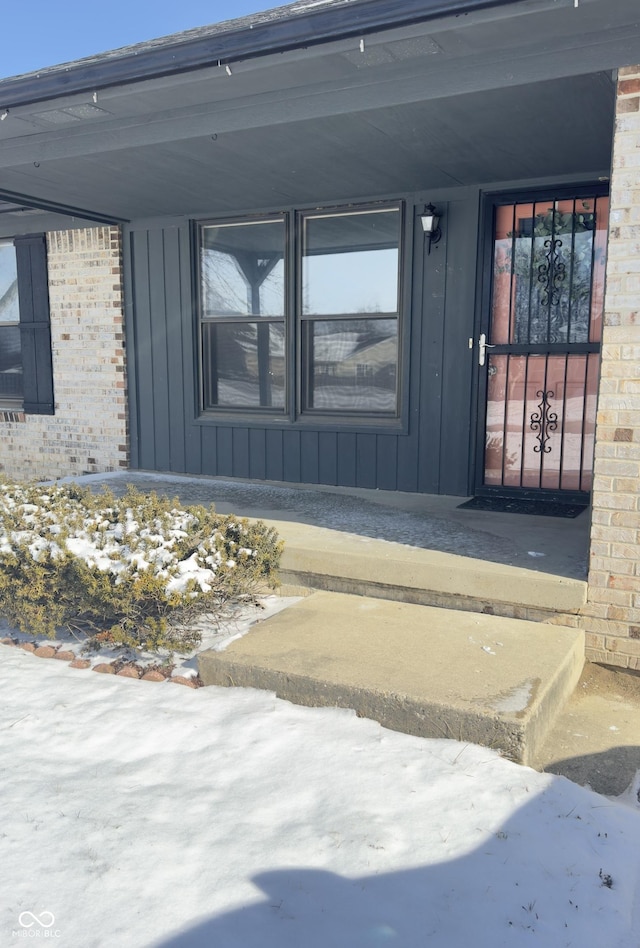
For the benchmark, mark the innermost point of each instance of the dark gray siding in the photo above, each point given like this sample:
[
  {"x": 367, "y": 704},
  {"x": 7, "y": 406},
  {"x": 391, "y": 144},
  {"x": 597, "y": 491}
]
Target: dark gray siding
[{"x": 429, "y": 452}]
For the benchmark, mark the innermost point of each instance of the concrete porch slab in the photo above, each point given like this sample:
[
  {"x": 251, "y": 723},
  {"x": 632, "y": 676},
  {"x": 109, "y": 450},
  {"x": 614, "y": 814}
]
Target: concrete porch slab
[
  {"x": 433, "y": 553},
  {"x": 349, "y": 563},
  {"x": 422, "y": 670},
  {"x": 549, "y": 545}
]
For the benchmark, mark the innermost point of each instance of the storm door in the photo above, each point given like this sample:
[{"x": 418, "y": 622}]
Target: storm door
[{"x": 539, "y": 352}]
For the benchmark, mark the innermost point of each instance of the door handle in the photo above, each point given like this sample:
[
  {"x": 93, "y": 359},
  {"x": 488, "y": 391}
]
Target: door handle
[{"x": 483, "y": 345}]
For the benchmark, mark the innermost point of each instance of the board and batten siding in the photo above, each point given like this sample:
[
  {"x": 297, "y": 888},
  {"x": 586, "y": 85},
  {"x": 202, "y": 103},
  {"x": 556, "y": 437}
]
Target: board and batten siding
[{"x": 431, "y": 454}]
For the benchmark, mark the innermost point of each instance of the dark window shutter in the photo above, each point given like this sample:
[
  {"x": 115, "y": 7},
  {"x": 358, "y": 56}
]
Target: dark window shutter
[{"x": 35, "y": 324}]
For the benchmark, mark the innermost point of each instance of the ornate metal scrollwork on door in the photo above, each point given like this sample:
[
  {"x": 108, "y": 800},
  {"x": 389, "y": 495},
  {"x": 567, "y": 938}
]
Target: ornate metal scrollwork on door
[
  {"x": 551, "y": 273},
  {"x": 543, "y": 421}
]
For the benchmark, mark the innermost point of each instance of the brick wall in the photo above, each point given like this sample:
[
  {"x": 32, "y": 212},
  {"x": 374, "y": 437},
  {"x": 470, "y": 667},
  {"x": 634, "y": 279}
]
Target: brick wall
[
  {"x": 88, "y": 432},
  {"x": 611, "y": 618}
]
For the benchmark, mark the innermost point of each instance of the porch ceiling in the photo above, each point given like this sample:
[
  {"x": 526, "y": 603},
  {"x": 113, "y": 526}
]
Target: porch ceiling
[
  {"x": 554, "y": 128},
  {"x": 517, "y": 92}
]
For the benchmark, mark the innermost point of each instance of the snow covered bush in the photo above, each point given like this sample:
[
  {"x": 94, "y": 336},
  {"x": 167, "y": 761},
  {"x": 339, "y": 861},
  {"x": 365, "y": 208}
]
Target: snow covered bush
[{"x": 134, "y": 571}]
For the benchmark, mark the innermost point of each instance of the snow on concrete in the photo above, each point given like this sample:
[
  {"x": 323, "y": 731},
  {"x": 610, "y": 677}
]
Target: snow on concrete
[{"x": 136, "y": 814}]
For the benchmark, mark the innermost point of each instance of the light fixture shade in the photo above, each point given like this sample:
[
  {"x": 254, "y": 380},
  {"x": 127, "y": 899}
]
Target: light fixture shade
[{"x": 430, "y": 220}]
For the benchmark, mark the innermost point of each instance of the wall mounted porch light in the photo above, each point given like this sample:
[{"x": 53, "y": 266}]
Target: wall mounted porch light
[{"x": 430, "y": 219}]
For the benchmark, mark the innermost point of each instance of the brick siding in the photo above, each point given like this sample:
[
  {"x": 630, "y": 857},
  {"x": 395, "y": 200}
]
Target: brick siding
[
  {"x": 89, "y": 430},
  {"x": 611, "y": 618}
]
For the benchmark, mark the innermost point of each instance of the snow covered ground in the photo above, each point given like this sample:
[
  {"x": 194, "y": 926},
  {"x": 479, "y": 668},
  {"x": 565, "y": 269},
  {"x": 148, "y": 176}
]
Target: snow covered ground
[{"x": 140, "y": 814}]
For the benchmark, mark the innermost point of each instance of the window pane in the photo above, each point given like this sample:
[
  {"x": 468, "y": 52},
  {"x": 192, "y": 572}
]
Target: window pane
[
  {"x": 243, "y": 365},
  {"x": 10, "y": 362},
  {"x": 242, "y": 269},
  {"x": 350, "y": 263},
  {"x": 351, "y": 364},
  {"x": 9, "y": 312},
  {"x": 548, "y": 272}
]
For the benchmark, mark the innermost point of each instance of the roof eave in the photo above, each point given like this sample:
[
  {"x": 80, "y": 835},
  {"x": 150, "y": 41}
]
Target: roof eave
[{"x": 257, "y": 37}]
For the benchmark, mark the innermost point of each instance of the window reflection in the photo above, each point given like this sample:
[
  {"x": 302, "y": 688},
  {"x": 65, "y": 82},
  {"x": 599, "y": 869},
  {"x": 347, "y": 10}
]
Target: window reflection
[
  {"x": 351, "y": 364},
  {"x": 343, "y": 350},
  {"x": 9, "y": 312},
  {"x": 351, "y": 263},
  {"x": 10, "y": 355},
  {"x": 560, "y": 390},
  {"x": 10, "y": 362},
  {"x": 242, "y": 269},
  {"x": 243, "y": 365},
  {"x": 549, "y": 262},
  {"x": 350, "y": 268}
]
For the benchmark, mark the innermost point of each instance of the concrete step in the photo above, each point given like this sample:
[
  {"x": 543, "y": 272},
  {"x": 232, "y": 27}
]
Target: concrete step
[
  {"x": 341, "y": 562},
  {"x": 422, "y": 670}
]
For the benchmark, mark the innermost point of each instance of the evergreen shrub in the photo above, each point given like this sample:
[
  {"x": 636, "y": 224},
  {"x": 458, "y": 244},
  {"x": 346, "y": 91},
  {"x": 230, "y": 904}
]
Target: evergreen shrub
[{"x": 135, "y": 571}]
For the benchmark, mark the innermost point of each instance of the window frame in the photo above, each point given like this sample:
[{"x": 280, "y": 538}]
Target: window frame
[
  {"x": 301, "y": 366},
  {"x": 293, "y": 416},
  {"x": 279, "y": 412}
]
